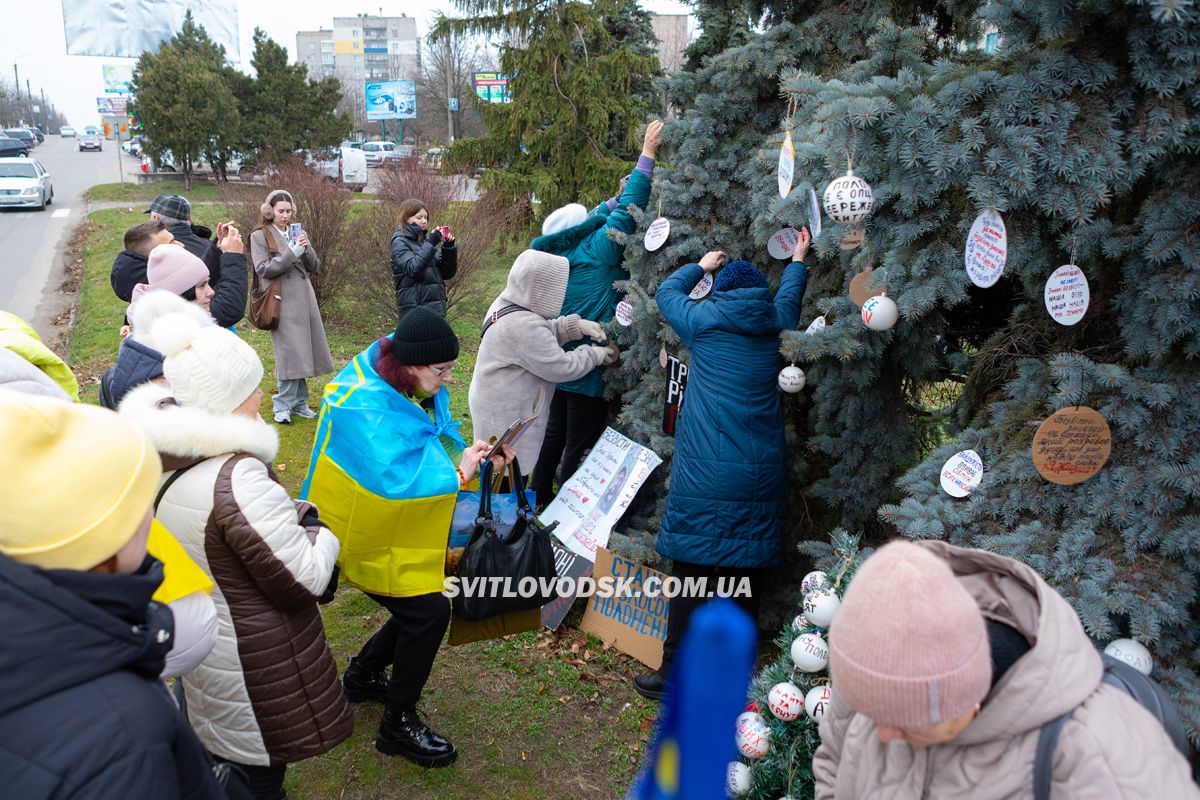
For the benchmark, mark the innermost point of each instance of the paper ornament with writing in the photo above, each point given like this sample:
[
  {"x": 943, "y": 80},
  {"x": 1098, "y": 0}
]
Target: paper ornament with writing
[
  {"x": 787, "y": 165},
  {"x": 702, "y": 289},
  {"x": 814, "y": 214},
  {"x": 962, "y": 473},
  {"x": 657, "y": 233},
  {"x": 1067, "y": 294},
  {"x": 987, "y": 249},
  {"x": 852, "y": 238},
  {"x": 783, "y": 243},
  {"x": 849, "y": 199},
  {"x": 677, "y": 372},
  {"x": 624, "y": 313},
  {"x": 816, "y": 326},
  {"x": 1072, "y": 445}
]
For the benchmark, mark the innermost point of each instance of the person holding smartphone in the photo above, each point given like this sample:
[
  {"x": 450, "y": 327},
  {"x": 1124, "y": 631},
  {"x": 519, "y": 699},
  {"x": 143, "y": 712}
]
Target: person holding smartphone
[
  {"x": 423, "y": 259},
  {"x": 301, "y": 350}
]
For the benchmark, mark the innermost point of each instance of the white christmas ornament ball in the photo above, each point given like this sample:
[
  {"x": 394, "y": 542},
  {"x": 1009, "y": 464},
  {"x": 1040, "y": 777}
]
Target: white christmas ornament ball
[
  {"x": 810, "y": 653},
  {"x": 880, "y": 313},
  {"x": 813, "y": 581},
  {"x": 1132, "y": 653},
  {"x": 753, "y": 736},
  {"x": 820, "y": 606},
  {"x": 737, "y": 779},
  {"x": 791, "y": 379},
  {"x": 801, "y": 623},
  {"x": 849, "y": 199},
  {"x": 785, "y": 701},
  {"x": 816, "y": 702}
]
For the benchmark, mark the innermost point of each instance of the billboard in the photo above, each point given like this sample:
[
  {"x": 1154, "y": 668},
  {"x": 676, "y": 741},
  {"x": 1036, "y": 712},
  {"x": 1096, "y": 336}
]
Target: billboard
[
  {"x": 391, "y": 100},
  {"x": 116, "y": 78},
  {"x": 111, "y": 105},
  {"x": 492, "y": 87},
  {"x": 127, "y": 28}
]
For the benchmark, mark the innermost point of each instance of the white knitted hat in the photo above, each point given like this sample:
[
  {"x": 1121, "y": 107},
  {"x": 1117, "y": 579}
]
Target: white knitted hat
[
  {"x": 206, "y": 366},
  {"x": 560, "y": 219}
]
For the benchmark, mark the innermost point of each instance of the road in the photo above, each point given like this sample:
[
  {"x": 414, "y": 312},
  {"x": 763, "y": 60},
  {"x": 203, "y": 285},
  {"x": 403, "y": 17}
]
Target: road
[{"x": 32, "y": 241}]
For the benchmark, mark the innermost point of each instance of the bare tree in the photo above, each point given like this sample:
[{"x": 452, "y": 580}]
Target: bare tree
[{"x": 447, "y": 70}]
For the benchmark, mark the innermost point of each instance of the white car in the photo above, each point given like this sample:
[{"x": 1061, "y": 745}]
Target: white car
[
  {"x": 66, "y": 131},
  {"x": 24, "y": 182},
  {"x": 376, "y": 152}
]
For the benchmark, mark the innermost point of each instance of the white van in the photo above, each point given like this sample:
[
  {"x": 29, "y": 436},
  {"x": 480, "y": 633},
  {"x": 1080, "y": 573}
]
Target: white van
[
  {"x": 376, "y": 152},
  {"x": 354, "y": 169}
]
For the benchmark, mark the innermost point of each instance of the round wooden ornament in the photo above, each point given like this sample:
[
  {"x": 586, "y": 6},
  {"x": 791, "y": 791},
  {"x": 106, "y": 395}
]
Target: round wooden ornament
[{"x": 1072, "y": 445}]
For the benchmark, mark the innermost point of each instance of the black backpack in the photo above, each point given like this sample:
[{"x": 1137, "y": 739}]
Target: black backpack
[{"x": 1142, "y": 688}]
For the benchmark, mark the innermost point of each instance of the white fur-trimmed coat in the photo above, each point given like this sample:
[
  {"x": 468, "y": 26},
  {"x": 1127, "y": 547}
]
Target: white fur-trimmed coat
[{"x": 268, "y": 693}]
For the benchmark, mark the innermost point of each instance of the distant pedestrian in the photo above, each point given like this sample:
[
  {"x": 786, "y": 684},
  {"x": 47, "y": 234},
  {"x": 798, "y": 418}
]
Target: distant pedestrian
[
  {"x": 301, "y": 350},
  {"x": 82, "y": 712},
  {"x": 945, "y": 662},
  {"x": 422, "y": 260},
  {"x": 268, "y": 694},
  {"x": 521, "y": 355}
]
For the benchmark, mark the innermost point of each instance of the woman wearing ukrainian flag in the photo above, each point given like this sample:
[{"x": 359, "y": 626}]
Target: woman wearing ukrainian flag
[{"x": 383, "y": 472}]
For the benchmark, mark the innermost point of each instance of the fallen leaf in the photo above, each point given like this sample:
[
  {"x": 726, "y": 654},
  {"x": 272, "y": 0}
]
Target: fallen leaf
[
  {"x": 541, "y": 688},
  {"x": 645, "y": 725},
  {"x": 281, "y": 467},
  {"x": 522, "y": 755},
  {"x": 564, "y": 700}
]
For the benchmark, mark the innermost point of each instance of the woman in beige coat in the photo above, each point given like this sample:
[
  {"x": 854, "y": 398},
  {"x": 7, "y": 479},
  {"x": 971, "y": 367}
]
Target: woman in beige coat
[
  {"x": 946, "y": 662},
  {"x": 301, "y": 351}
]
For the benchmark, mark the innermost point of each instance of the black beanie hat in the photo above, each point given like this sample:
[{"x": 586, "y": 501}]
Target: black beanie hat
[{"x": 423, "y": 337}]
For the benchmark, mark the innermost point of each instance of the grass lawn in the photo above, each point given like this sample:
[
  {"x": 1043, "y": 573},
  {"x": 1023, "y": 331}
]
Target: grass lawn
[
  {"x": 535, "y": 715},
  {"x": 201, "y": 191}
]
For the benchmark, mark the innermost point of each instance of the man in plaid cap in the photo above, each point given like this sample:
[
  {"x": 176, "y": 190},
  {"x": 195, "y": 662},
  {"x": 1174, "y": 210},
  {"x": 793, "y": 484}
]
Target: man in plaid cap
[{"x": 175, "y": 212}]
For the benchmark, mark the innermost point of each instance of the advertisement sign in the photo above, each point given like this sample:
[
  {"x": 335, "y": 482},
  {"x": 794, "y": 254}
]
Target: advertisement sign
[
  {"x": 633, "y": 620},
  {"x": 128, "y": 28},
  {"x": 116, "y": 78},
  {"x": 111, "y": 105},
  {"x": 492, "y": 87},
  {"x": 391, "y": 100},
  {"x": 595, "y": 497}
]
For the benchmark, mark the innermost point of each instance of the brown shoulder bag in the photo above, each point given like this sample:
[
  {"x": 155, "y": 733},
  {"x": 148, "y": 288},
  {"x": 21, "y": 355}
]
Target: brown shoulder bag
[{"x": 265, "y": 302}]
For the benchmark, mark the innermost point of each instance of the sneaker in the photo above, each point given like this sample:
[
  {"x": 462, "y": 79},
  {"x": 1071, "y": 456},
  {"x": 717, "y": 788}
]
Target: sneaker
[
  {"x": 651, "y": 686},
  {"x": 304, "y": 412},
  {"x": 283, "y": 417}
]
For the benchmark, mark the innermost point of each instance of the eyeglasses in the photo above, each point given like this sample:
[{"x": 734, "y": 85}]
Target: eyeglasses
[{"x": 440, "y": 371}]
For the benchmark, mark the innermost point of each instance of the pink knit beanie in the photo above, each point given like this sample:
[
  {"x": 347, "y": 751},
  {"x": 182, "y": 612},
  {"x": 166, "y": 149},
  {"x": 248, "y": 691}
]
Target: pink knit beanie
[
  {"x": 173, "y": 269},
  {"x": 909, "y": 647}
]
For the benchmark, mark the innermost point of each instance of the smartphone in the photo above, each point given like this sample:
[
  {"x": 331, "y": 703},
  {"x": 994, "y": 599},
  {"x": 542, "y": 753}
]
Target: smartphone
[
  {"x": 445, "y": 229},
  {"x": 294, "y": 231}
]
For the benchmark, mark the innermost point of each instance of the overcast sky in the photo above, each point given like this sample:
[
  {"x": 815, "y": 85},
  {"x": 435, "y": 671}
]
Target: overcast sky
[{"x": 33, "y": 39}]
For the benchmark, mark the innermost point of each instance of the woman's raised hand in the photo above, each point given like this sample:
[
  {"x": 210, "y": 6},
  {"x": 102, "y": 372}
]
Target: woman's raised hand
[
  {"x": 652, "y": 139},
  {"x": 712, "y": 260}
]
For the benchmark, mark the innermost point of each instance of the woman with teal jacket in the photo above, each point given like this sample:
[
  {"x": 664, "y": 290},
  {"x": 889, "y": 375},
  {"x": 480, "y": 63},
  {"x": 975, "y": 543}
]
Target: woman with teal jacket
[{"x": 579, "y": 412}]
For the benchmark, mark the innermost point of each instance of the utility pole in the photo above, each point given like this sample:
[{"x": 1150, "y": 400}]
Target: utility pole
[
  {"x": 29, "y": 95},
  {"x": 45, "y": 111},
  {"x": 17, "y": 83}
]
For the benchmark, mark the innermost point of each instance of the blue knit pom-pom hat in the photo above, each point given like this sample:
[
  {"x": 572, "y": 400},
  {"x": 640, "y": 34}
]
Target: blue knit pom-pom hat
[{"x": 739, "y": 275}]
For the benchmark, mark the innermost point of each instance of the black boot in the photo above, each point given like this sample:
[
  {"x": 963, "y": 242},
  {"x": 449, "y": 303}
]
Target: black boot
[
  {"x": 363, "y": 685},
  {"x": 403, "y": 733},
  {"x": 652, "y": 686}
]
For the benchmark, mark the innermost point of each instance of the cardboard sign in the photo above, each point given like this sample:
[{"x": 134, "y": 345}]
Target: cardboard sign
[
  {"x": 1067, "y": 294},
  {"x": 987, "y": 249},
  {"x": 673, "y": 397},
  {"x": 1072, "y": 445},
  {"x": 657, "y": 233},
  {"x": 814, "y": 214},
  {"x": 962, "y": 473},
  {"x": 591, "y": 501},
  {"x": 787, "y": 165},
  {"x": 782, "y": 243},
  {"x": 630, "y": 620},
  {"x": 702, "y": 289},
  {"x": 852, "y": 238},
  {"x": 862, "y": 288},
  {"x": 567, "y": 565}
]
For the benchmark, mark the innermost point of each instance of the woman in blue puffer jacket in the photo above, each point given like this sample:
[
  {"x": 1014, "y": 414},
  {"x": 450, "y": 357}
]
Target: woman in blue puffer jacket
[{"x": 728, "y": 495}]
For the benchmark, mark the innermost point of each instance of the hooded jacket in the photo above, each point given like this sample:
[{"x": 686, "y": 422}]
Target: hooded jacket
[
  {"x": 1111, "y": 749},
  {"x": 128, "y": 270},
  {"x": 420, "y": 269},
  {"x": 21, "y": 340},
  {"x": 138, "y": 360},
  {"x": 521, "y": 357},
  {"x": 81, "y": 712},
  {"x": 728, "y": 494},
  {"x": 596, "y": 263},
  {"x": 268, "y": 693}
]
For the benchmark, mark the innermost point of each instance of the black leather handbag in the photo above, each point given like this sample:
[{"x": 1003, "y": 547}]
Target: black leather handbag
[{"x": 525, "y": 553}]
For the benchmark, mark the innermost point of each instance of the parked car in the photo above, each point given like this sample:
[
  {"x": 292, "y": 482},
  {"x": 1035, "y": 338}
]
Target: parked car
[
  {"x": 357, "y": 145},
  {"x": 376, "y": 152},
  {"x": 66, "y": 131},
  {"x": 133, "y": 146},
  {"x": 432, "y": 160},
  {"x": 347, "y": 164},
  {"x": 90, "y": 141},
  {"x": 24, "y": 135},
  {"x": 12, "y": 147},
  {"x": 41, "y": 137},
  {"x": 25, "y": 182}
]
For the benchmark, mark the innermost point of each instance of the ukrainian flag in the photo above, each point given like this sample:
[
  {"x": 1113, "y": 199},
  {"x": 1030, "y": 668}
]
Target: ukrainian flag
[
  {"x": 706, "y": 692},
  {"x": 383, "y": 481}
]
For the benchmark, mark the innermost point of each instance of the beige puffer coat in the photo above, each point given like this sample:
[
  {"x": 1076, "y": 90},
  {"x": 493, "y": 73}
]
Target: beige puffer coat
[
  {"x": 268, "y": 693},
  {"x": 1112, "y": 748}
]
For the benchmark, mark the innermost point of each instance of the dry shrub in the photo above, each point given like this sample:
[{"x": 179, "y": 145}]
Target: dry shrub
[{"x": 322, "y": 208}]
